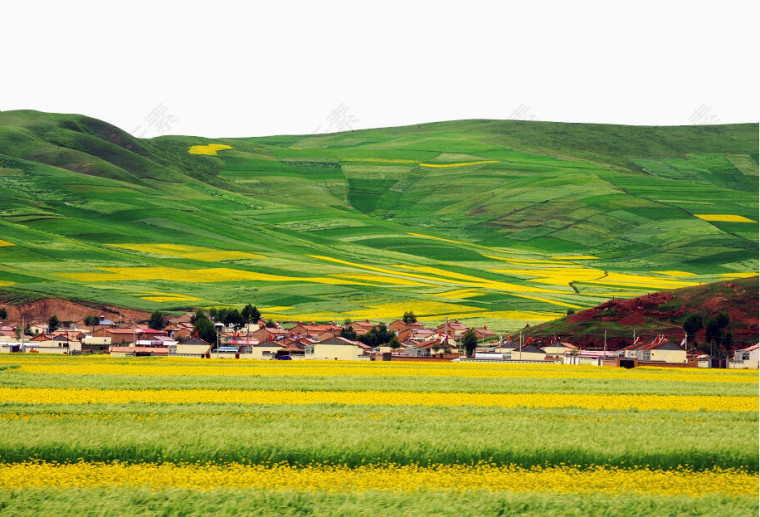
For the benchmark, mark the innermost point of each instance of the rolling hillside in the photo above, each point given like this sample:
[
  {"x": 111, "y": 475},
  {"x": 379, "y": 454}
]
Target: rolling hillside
[
  {"x": 658, "y": 313},
  {"x": 498, "y": 222}
]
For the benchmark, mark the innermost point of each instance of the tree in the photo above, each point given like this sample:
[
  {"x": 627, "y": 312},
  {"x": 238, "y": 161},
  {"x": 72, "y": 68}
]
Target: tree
[
  {"x": 716, "y": 334},
  {"x": 348, "y": 333},
  {"x": 53, "y": 323},
  {"x": 570, "y": 311},
  {"x": 198, "y": 315},
  {"x": 205, "y": 329},
  {"x": 394, "y": 343},
  {"x": 235, "y": 319},
  {"x": 409, "y": 317},
  {"x": 250, "y": 314},
  {"x": 91, "y": 321},
  {"x": 157, "y": 321},
  {"x": 3, "y": 313},
  {"x": 379, "y": 335},
  {"x": 469, "y": 342},
  {"x": 691, "y": 325},
  {"x": 271, "y": 324}
]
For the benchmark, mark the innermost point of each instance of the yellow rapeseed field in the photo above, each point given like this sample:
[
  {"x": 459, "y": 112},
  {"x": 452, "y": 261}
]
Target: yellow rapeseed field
[
  {"x": 382, "y": 398},
  {"x": 189, "y": 252},
  {"x": 725, "y": 218},
  {"x": 336, "y": 478},
  {"x": 5, "y": 243},
  {"x": 169, "y": 366},
  {"x": 210, "y": 149},
  {"x": 115, "y": 274},
  {"x": 465, "y": 164}
]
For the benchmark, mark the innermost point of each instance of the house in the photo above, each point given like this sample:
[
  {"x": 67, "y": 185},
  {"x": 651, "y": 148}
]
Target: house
[
  {"x": 362, "y": 327},
  {"x": 506, "y": 347},
  {"x": 484, "y": 334},
  {"x": 267, "y": 350},
  {"x": 315, "y": 330},
  {"x": 60, "y": 344},
  {"x": 193, "y": 347},
  {"x": 422, "y": 334},
  {"x": 559, "y": 349},
  {"x": 747, "y": 357},
  {"x": 269, "y": 334},
  {"x": 138, "y": 351},
  {"x": 524, "y": 353},
  {"x": 338, "y": 348},
  {"x": 454, "y": 328},
  {"x": 661, "y": 350},
  {"x": 629, "y": 352},
  {"x": 117, "y": 336},
  {"x": 399, "y": 326},
  {"x": 589, "y": 357}
]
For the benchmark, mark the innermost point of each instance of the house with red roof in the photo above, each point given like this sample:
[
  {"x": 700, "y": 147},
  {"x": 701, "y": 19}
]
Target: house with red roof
[
  {"x": 747, "y": 357},
  {"x": 661, "y": 350}
]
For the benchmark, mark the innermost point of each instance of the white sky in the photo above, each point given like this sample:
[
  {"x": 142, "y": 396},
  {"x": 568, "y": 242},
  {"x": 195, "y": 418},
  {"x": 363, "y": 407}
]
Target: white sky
[{"x": 223, "y": 68}]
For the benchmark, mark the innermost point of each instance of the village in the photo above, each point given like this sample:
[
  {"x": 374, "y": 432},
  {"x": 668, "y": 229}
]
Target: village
[{"x": 405, "y": 340}]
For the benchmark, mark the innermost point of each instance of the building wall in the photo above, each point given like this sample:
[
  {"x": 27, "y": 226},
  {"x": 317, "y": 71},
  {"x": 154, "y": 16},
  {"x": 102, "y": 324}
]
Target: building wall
[
  {"x": 96, "y": 340},
  {"x": 263, "y": 352},
  {"x": 341, "y": 352},
  {"x": 516, "y": 355},
  {"x": 198, "y": 350},
  {"x": 668, "y": 356}
]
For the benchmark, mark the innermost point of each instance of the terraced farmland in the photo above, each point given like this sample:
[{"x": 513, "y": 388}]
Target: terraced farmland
[
  {"x": 174, "y": 435},
  {"x": 496, "y": 222}
]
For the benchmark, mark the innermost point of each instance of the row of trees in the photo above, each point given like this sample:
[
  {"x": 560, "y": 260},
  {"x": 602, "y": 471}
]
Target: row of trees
[{"x": 718, "y": 338}]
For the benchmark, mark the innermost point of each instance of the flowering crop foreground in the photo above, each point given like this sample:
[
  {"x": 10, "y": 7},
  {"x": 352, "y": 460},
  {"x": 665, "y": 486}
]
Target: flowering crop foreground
[
  {"x": 401, "y": 438},
  {"x": 321, "y": 368},
  {"x": 382, "y": 398},
  {"x": 331, "y": 478}
]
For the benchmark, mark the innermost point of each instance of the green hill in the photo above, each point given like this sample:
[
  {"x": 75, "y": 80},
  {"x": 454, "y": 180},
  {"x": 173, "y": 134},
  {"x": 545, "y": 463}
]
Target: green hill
[
  {"x": 659, "y": 313},
  {"x": 499, "y": 222}
]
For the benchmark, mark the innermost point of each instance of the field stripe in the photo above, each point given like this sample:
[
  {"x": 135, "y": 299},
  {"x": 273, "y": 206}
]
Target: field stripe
[
  {"x": 329, "y": 478},
  {"x": 329, "y": 369},
  {"x": 382, "y": 398}
]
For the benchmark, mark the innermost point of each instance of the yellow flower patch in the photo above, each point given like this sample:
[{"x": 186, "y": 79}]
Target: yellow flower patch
[
  {"x": 724, "y": 218},
  {"x": 160, "y": 297},
  {"x": 210, "y": 149},
  {"x": 384, "y": 477},
  {"x": 382, "y": 398},
  {"x": 5, "y": 243},
  {"x": 189, "y": 252},
  {"x": 459, "y": 294},
  {"x": 115, "y": 274},
  {"x": 444, "y": 165}
]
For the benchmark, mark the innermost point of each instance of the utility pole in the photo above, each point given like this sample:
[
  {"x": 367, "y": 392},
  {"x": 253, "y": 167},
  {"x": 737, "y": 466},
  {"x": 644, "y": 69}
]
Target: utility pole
[
  {"x": 605, "y": 342},
  {"x": 520, "y": 355}
]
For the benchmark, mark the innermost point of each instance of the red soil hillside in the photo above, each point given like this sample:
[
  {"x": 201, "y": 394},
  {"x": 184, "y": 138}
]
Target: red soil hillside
[
  {"x": 38, "y": 311},
  {"x": 660, "y": 313}
]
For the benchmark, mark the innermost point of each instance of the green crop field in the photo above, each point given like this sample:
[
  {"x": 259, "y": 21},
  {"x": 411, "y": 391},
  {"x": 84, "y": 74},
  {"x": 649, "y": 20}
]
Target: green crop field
[
  {"x": 374, "y": 223},
  {"x": 173, "y": 436}
]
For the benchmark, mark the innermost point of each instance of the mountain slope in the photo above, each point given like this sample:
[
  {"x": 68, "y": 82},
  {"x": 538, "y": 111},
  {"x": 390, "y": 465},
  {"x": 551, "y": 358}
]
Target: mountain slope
[
  {"x": 661, "y": 313},
  {"x": 497, "y": 221}
]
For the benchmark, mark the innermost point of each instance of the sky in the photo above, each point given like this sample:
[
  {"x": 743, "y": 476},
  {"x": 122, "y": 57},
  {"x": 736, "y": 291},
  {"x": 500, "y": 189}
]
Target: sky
[{"x": 235, "y": 69}]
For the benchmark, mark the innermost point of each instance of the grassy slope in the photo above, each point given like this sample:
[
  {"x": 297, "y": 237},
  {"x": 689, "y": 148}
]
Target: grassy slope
[
  {"x": 72, "y": 185},
  {"x": 653, "y": 315}
]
